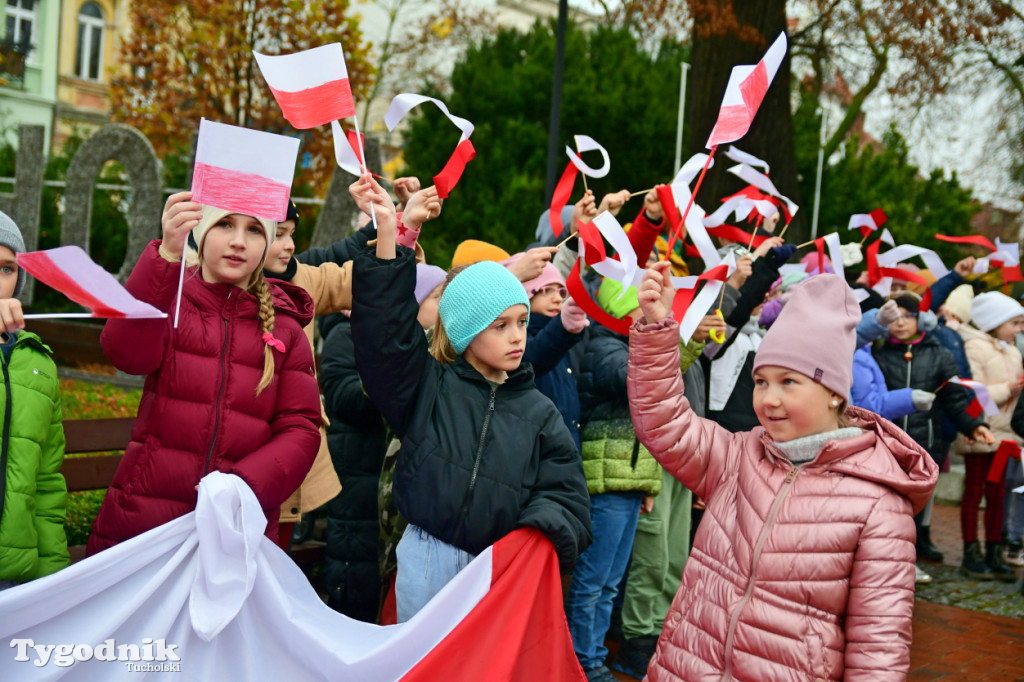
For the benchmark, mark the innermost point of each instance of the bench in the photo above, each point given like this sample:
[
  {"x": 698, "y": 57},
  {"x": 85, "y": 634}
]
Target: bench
[{"x": 96, "y": 472}]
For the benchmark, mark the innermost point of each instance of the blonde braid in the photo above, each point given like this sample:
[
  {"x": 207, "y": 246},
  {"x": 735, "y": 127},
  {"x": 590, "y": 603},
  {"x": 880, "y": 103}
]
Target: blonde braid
[{"x": 262, "y": 291}]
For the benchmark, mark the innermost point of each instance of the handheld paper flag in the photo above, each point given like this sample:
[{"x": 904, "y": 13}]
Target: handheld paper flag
[
  {"x": 244, "y": 171},
  {"x": 563, "y": 190},
  {"x": 311, "y": 86},
  {"x": 904, "y": 251},
  {"x": 464, "y": 152},
  {"x": 867, "y": 222},
  {"x": 763, "y": 183},
  {"x": 748, "y": 84},
  {"x": 346, "y": 148},
  {"x": 69, "y": 270},
  {"x": 988, "y": 405}
]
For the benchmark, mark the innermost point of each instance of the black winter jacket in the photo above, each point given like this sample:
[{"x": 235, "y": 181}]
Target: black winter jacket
[
  {"x": 547, "y": 350},
  {"x": 357, "y": 440},
  {"x": 930, "y": 367},
  {"x": 476, "y": 462}
]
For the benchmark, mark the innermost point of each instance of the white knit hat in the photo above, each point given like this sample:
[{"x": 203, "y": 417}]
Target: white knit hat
[
  {"x": 991, "y": 309},
  {"x": 959, "y": 302},
  {"x": 211, "y": 215}
]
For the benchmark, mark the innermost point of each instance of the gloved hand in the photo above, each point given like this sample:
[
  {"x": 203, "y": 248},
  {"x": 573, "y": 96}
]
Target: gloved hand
[
  {"x": 922, "y": 400},
  {"x": 927, "y": 321},
  {"x": 574, "y": 320},
  {"x": 851, "y": 254},
  {"x": 780, "y": 255},
  {"x": 887, "y": 314}
]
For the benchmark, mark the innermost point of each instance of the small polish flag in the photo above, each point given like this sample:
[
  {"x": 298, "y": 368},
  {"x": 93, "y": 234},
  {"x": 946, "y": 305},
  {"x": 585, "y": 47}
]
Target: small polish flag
[
  {"x": 69, "y": 270},
  {"x": 244, "y": 171},
  {"x": 748, "y": 84},
  {"x": 867, "y": 222},
  {"x": 346, "y": 148},
  {"x": 982, "y": 399},
  {"x": 311, "y": 86}
]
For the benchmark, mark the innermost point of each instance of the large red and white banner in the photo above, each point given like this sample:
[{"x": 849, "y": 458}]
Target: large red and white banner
[
  {"x": 311, "y": 86},
  {"x": 748, "y": 84},
  {"x": 208, "y": 595}
]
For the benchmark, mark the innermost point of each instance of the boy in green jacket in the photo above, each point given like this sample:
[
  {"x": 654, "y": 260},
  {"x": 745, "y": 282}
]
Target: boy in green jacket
[{"x": 32, "y": 489}]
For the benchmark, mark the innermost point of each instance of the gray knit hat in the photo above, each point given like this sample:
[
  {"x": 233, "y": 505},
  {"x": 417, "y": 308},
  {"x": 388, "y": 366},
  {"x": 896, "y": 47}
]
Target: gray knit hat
[{"x": 10, "y": 236}]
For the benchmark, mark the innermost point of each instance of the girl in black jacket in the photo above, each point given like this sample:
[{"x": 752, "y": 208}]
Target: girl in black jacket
[{"x": 483, "y": 452}]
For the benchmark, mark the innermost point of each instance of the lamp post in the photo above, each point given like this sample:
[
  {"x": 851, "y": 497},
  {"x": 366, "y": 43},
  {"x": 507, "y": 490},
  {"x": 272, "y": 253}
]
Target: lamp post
[{"x": 556, "y": 101}]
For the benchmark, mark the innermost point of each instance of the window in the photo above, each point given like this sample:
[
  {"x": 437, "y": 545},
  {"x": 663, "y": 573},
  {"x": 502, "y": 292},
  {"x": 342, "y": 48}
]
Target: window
[
  {"x": 89, "y": 58},
  {"x": 20, "y": 20}
]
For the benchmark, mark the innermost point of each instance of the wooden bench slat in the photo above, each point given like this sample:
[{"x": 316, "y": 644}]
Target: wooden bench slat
[
  {"x": 89, "y": 473},
  {"x": 97, "y": 435}
]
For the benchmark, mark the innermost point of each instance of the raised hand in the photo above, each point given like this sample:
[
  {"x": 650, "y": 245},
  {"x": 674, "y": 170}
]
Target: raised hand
[
  {"x": 707, "y": 324},
  {"x": 574, "y": 320},
  {"x": 181, "y": 214},
  {"x": 652, "y": 205},
  {"x": 965, "y": 267},
  {"x": 532, "y": 263},
  {"x": 405, "y": 188},
  {"x": 656, "y": 292},
  {"x": 614, "y": 202},
  {"x": 584, "y": 211},
  {"x": 422, "y": 206},
  {"x": 11, "y": 319}
]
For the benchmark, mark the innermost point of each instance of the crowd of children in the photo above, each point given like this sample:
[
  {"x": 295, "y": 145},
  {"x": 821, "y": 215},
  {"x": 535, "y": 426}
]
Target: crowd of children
[{"x": 753, "y": 500}]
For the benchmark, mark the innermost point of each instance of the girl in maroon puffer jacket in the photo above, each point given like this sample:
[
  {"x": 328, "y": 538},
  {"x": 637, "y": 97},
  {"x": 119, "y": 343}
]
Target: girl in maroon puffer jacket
[
  {"x": 231, "y": 389},
  {"x": 803, "y": 565}
]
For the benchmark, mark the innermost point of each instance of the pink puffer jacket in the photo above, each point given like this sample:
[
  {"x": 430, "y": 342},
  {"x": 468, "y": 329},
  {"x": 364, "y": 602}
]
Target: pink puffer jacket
[{"x": 796, "y": 573}]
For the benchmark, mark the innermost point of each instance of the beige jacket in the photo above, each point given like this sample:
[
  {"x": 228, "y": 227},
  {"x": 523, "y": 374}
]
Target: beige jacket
[
  {"x": 330, "y": 287},
  {"x": 998, "y": 365}
]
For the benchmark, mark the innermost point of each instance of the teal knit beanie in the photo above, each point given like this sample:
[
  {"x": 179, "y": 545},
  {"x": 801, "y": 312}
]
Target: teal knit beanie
[{"x": 475, "y": 298}]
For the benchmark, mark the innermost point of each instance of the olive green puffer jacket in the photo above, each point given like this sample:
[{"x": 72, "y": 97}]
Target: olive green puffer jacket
[
  {"x": 32, "y": 540},
  {"x": 613, "y": 459}
]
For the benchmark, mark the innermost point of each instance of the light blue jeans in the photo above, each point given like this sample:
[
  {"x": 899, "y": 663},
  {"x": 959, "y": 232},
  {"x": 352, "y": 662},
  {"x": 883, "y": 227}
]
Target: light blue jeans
[{"x": 425, "y": 566}]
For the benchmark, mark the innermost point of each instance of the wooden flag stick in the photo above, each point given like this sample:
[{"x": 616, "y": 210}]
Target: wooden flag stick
[
  {"x": 689, "y": 204},
  {"x": 806, "y": 244},
  {"x": 783, "y": 233},
  {"x": 561, "y": 243},
  {"x": 643, "y": 191}
]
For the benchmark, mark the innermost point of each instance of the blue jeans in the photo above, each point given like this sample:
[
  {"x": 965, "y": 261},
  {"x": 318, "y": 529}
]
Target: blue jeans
[
  {"x": 425, "y": 566},
  {"x": 599, "y": 570},
  {"x": 1013, "y": 503}
]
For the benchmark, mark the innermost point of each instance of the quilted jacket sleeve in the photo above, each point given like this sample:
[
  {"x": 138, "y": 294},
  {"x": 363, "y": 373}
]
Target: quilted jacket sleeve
[
  {"x": 696, "y": 451},
  {"x": 559, "y": 505},
  {"x": 139, "y": 346},
  {"x": 278, "y": 467},
  {"x": 881, "y": 600},
  {"x": 329, "y": 285},
  {"x": 52, "y": 498},
  {"x": 339, "y": 252},
  {"x": 870, "y": 391}
]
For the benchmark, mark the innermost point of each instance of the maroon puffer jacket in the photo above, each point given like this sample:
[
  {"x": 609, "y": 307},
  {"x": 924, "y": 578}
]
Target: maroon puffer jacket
[
  {"x": 797, "y": 572},
  {"x": 199, "y": 411}
]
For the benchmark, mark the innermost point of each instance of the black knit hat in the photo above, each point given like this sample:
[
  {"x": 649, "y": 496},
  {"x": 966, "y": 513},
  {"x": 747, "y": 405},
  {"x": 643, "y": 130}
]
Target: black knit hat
[{"x": 293, "y": 212}]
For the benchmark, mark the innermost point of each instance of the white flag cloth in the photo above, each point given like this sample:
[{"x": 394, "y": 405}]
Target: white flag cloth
[
  {"x": 904, "y": 251},
  {"x": 210, "y": 594},
  {"x": 695, "y": 218},
  {"x": 740, "y": 156},
  {"x": 763, "y": 183},
  {"x": 585, "y": 143}
]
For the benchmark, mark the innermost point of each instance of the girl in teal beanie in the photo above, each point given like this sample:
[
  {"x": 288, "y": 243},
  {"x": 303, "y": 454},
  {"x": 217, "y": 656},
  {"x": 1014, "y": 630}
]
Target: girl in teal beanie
[{"x": 483, "y": 451}]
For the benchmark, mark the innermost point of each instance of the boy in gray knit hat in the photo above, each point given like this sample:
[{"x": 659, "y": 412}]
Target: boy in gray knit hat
[{"x": 32, "y": 489}]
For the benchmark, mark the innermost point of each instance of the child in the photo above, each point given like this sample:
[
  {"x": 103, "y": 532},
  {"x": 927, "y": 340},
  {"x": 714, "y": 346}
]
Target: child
[
  {"x": 995, "y": 361},
  {"x": 483, "y": 452},
  {"x": 803, "y": 565},
  {"x": 231, "y": 389},
  {"x": 33, "y": 496}
]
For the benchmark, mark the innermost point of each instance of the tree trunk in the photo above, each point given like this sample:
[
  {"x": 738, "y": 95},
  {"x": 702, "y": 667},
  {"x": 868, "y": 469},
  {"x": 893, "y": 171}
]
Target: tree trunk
[{"x": 728, "y": 33}]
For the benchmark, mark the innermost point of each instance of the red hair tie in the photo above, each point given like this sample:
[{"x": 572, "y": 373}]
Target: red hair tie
[{"x": 269, "y": 339}]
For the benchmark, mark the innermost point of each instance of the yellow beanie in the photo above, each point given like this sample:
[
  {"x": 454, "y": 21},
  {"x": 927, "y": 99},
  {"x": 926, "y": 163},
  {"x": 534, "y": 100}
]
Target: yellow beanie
[{"x": 473, "y": 251}]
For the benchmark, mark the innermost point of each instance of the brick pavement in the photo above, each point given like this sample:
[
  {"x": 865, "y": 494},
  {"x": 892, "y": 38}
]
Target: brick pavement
[{"x": 952, "y": 643}]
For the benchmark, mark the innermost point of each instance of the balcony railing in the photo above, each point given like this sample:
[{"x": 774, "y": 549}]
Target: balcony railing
[{"x": 12, "y": 61}]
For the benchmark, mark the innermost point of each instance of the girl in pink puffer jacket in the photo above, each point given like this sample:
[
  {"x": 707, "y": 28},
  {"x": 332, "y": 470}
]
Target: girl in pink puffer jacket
[{"x": 803, "y": 566}]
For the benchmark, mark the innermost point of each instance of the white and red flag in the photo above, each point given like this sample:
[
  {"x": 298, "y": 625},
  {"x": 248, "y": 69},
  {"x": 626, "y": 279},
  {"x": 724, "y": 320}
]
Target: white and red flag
[
  {"x": 867, "y": 222},
  {"x": 347, "y": 144},
  {"x": 464, "y": 151},
  {"x": 208, "y": 594},
  {"x": 244, "y": 171},
  {"x": 748, "y": 84},
  {"x": 983, "y": 402},
  {"x": 576, "y": 165},
  {"x": 311, "y": 86},
  {"x": 69, "y": 270}
]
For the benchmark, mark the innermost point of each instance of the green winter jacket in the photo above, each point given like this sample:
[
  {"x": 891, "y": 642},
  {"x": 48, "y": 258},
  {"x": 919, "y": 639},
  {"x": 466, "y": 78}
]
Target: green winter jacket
[
  {"x": 613, "y": 459},
  {"x": 32, "y": 540}
]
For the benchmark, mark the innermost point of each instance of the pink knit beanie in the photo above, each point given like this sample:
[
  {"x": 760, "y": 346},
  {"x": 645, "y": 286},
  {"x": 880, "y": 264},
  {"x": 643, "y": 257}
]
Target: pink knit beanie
[
  {"x": 815, "y": 334},
  {"x": 549, "y": 275}
]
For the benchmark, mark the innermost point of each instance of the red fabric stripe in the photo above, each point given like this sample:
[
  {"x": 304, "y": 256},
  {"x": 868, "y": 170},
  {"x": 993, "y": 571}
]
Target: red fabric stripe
[
  {"x": 865, "y": 231},
  {"x": 819, "y": 245},
  {"x": 976, "y": 239},
  {"x": 684, "y": 297},
  {"x": 314, "y": 107},
  {"x": 904, "y": 275},
  {"x": 560, "y": 197},
  {"x": 680, "y": 227},
  {"x": 754, "y": 87},
  {"x": 1012, "y": 274},
  {"x": 579, "y": 294},
  {"x": 1006, "y": 450},
  {"x": 732, "y": 124},
  {"x": 878, "y": 215},
  {"x": 592, "y": 242},
  {"x": 518, "y": 631},
  {"x": 735, "y": 234},
  {"x": 446, "y": 180},
  {"x": 39, "y": 265},
  {"x": 239, "y": 192},
  {"x": 871, "y": 259}
]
